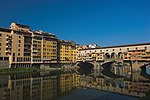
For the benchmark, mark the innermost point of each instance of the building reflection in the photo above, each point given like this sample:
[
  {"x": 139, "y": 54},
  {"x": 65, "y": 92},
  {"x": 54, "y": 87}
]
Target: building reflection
[
  {"x": 43, "y": 86},
  {"x": 138, "y": 86},
  {"x": 51, "y": 85}
]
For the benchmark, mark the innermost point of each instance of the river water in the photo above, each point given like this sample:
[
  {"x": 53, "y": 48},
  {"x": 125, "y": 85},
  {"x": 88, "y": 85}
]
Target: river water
[{"x": 69, "y": 85}]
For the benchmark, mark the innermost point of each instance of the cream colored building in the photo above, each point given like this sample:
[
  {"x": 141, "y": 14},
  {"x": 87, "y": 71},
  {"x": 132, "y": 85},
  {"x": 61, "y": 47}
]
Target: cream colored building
[
  {"x": 116, "y": 52},
  {"x": 22, "y": 47}
]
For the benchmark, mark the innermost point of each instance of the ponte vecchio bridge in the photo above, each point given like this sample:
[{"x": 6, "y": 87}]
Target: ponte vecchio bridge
[{"x": 133, "y": 55}]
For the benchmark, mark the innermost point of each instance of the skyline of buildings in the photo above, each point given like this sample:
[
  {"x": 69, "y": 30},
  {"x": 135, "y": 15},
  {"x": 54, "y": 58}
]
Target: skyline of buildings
[{"x": 22, "y": 47}]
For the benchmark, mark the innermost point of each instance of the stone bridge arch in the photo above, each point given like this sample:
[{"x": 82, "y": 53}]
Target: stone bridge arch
[
  {"x": 85, "y": 64},
  {"x": 85, "y": 67},
  {"x": 113, "y": 55},
  {"x": 107, "y": 55},
  {"x": 120, "y": 55}
]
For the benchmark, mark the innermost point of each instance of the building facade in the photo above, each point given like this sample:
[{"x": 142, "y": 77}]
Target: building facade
[
  {"x": 67, "y": 52},
  {"x": 22, "y": 47},
  {"x": 140, "y": 52}
]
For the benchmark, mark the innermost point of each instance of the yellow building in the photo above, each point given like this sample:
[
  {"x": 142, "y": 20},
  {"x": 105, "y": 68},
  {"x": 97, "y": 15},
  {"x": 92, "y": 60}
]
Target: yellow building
[
  {"x": 67, "y": 52},
  {"x": 5, "y": 47},
  {"x": 37, "y": 47},
  {"x": 137, "y": 55},
  {"x": 22, "y": 47},
  {"x": 15, "y": 45},
  {"x": 49, "y": 48}
]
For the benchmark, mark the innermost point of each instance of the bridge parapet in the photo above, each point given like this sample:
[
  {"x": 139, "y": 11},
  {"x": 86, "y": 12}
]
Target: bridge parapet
[{"x": 114, "y": 59}]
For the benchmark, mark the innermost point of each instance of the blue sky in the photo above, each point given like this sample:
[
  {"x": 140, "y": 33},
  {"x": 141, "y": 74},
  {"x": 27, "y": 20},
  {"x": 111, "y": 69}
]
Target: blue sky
[{"x": 104, "y": 22}]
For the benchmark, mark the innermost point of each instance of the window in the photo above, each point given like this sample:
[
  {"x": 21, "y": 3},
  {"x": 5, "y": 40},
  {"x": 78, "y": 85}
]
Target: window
[
  {"x": 0, "y": 39},
  {"x": 0, "y": 34},
  {"x": 0, "y": 44},
  {"x": 145, "y": 47},
  {"x": 136, "y": 48},
  {"x": 1, "y": 58},
  {"x": 13, "y": 54},
  {"x": 113, "y": 50},
  {"x": 127, "y": 48},
  {"x": 120, "y": 49},
  {"x": 6, "y": 58},
  {"x": 19, "y": 41},
  {"x": 18, "y": 54},
  {"x": 19, "y": 36}
]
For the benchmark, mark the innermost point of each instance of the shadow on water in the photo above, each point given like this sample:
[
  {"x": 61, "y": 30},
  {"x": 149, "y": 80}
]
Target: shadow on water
[
  {"x": 85, "y": 68},
  {"x": 107, "y": 70}
]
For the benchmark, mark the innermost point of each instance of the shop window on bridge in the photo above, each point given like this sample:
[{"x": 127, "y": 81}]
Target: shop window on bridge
[
  {"x": 136, "y": 48},
  {"x": 1, "y": 58},
  {"x": 107, "y": 55},
  {"x": 6, "y": 58},
  {"x": 13, "y": 59}
]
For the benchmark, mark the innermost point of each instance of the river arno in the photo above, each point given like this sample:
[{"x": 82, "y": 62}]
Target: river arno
[
  {"x": 67, "y": 85},
  {"x": 92, "y": 94}
]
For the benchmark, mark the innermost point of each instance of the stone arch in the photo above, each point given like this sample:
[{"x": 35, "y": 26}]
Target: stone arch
[
  {"x": 120, "y": 55},
  {"x": 113, "y": 55},
  {"x": 85, "y": 67},
  {"x": 107, "y": 56}
]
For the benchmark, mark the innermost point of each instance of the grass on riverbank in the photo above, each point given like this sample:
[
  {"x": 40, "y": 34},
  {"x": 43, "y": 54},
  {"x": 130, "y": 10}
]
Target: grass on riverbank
[{"x": 19, "y": 70}]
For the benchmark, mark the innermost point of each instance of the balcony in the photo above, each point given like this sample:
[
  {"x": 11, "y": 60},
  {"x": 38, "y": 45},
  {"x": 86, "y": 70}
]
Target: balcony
[
  {"x": 27, "y": 48},
  {"x": 35, "y": 51},
  {"x": 27, "y": 43},
  {"x": 8, "y": 52},
  {"x": 7, "y": 46},
  {"x": 27, "y": 51}
]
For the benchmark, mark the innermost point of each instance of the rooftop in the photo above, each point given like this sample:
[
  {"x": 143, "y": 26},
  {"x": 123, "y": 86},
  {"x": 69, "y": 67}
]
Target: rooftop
[
  {"x": 118, "y": 46},
  {"x": 22, "y": 25}
]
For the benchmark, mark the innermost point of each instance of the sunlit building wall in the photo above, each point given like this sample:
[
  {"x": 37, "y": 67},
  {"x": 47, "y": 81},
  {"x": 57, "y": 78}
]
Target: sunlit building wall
[{"x": 67, "y": 52}]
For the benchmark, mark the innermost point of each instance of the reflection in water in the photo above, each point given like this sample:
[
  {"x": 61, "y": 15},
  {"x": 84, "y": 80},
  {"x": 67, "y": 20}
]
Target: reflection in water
[
  {"x": 43, "y": 86},
  {"x": 51, "y": 85}
]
